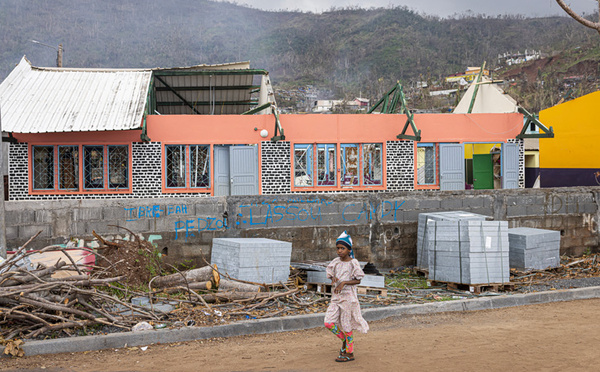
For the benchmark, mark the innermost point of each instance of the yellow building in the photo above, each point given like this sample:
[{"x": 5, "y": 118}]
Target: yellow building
[{"x": 572, "y": 157}]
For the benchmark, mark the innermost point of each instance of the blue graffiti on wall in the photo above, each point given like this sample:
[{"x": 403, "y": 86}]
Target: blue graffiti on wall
[
  {"x": 197, "y": 225},
  {"x": 154, "y": 211},
  {"x": 274, "y": 214},
  {"x": 269, "y": 213},
  {"x": 367, "y": 212}
]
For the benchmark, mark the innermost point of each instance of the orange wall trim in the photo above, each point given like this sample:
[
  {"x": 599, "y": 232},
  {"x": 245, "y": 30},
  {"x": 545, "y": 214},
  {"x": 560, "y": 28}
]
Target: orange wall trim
[{"x": 313, "y": 128}]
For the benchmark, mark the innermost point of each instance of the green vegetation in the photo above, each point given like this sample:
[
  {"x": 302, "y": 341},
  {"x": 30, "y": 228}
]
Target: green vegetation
[
  {"x": 344, "y": 50},
  {"x": 405, "y": 279}
]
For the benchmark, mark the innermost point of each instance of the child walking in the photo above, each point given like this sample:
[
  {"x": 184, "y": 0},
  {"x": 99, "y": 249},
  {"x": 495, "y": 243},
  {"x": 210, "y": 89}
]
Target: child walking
[{"x": 343, "y": 314}]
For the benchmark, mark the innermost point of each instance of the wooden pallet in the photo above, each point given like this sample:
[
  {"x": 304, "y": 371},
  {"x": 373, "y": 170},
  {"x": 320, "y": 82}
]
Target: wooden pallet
[
  {"x": 476, "y": 288},
  {"x": 326, "y": 289},
  {"x": 375, "y": 291},
  {"x": 421, "y": 271},
  {"x": 319, "y": 288}
]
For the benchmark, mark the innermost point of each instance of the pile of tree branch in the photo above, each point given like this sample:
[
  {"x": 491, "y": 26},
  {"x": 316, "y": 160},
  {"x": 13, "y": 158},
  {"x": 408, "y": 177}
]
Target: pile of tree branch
[{"x": 34, "y": 303}]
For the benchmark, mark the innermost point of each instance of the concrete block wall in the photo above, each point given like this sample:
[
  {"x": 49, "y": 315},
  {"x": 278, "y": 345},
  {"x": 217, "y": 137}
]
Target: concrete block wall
[
  {"x": 276, "y": 167},
  {"x": 400, "y": 172},
  {"x": 147, "y": 172},
  {"x": 383, "y": 225}
]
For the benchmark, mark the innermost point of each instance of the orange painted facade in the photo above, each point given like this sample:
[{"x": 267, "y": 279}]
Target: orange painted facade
[{"x": 298, "y": 129}]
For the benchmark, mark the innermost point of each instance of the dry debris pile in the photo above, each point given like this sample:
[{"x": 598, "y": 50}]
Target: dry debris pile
[
  {"x": 127, "y": 285},
  {"x": 587, "y": 266},
  {"x": 39, "y": 300}
]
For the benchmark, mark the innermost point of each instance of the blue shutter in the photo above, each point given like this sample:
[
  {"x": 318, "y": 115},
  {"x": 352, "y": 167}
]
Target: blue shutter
[
  {"x": 452, "y": 166},
  {"x": 243, "y": 165},
  {"x": 510, "y": 166},
  {"x": 222, "y": 171}
]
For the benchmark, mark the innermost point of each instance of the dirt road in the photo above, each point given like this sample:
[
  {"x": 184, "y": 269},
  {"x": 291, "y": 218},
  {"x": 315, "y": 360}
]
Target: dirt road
[{"x": 547, "y": 337}]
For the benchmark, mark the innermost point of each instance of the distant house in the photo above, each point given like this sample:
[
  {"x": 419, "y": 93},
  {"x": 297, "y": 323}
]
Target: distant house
[
  {"x": 517, "y": 58},
  {"x": 326, "y": 105},
  {"x": 215, "y": 130},
  {"x": 469, "y": 75}
]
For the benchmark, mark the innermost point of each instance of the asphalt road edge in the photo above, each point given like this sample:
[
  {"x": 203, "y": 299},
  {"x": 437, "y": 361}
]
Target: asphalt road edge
[{"x": 291, "y": 323}]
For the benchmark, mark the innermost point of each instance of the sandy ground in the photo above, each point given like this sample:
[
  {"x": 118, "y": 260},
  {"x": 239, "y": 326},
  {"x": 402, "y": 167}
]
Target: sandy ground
[{"x": 548, "y": 337}]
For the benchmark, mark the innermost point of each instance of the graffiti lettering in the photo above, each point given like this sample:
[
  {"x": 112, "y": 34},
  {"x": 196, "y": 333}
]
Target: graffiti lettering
[{"x": 154, "y": 211}]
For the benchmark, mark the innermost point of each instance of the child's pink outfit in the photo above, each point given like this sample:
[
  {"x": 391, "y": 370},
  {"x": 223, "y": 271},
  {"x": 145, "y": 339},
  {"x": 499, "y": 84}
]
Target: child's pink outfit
[{"x": 344, "y": 308}]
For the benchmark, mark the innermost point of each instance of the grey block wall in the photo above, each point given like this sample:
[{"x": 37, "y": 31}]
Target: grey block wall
[{"x": 384, "y": 226}]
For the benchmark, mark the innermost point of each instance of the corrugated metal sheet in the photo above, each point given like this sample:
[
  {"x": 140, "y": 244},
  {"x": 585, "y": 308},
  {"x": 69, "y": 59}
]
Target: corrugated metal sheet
[
  {"x": 45, "y": 100},
  {"x": 214, "y": 92}
]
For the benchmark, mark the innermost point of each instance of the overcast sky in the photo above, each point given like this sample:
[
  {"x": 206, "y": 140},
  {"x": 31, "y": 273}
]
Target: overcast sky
[{"x": 442, "y": 8}]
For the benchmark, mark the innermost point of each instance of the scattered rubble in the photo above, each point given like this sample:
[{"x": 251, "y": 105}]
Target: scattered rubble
[{"x": 117, "y": 293}]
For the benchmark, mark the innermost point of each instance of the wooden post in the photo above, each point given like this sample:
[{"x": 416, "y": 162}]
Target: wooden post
[
  {"x": 59, "y": 55},
  {"x": 2, "y": 220}
]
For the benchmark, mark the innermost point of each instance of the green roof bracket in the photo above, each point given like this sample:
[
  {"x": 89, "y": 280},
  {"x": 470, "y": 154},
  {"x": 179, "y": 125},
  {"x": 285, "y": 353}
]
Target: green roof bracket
[
  {"x": 477, "y": 82},
  {"x": 393, "y": 101},
  {"x": 278, "y": 128},
  {"x": 531, "y": 119},
  {"x": 144, "y": 136},
  {"x": 149, "y": 110},
  {"x": 257, "y": 109}
]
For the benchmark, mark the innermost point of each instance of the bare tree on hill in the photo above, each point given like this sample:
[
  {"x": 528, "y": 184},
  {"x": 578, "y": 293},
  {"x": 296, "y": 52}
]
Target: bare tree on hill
[{"x": 580, "y": 19}]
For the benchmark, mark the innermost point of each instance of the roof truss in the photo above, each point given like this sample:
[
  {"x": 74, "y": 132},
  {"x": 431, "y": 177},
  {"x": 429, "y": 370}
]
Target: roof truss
[{"x": 393, "y": 101}]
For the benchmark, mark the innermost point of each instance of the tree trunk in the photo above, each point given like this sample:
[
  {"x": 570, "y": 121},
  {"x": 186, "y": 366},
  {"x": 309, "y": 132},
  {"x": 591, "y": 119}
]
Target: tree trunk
[
  {"x": 230, "y": 285},
  {"x": 194, "y": 286},
  {"x": 232, "y": 296},
  {"x": 203, "y": 274}
]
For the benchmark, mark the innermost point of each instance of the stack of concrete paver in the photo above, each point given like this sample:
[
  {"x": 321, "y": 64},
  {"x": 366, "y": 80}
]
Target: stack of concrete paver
[
  {"x": 257, "y": 260},
  {"x": 422, "y": 231},
  {"x": 468, "y": 252},
  {"x": 535, "y": 249}
]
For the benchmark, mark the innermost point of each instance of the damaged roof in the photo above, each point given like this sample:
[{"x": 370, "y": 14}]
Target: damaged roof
[
  {"x": 51, "y": 99},
  {"x": 47, "y": 100}
]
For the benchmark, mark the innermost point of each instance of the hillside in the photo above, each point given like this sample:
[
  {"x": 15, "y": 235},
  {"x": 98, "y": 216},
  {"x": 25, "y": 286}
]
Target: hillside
[{"x": 343, "y": 50}]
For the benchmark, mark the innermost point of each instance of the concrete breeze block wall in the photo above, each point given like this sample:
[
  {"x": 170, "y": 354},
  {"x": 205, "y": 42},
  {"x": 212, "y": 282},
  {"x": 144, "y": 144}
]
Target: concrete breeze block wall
[{"x": 383, "y": 225}]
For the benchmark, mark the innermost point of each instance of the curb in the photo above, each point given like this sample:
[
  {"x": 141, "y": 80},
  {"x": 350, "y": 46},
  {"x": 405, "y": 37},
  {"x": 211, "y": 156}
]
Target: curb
[{"x": 291, "y": 323}]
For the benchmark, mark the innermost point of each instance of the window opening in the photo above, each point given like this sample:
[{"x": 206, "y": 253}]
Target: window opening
[
  {"x": 118, "y": 167},
  {"x": 426, "y": 164},
  {"x": 303, "y": 154},
  {"x": 68, "y": 167},
  {"x": 43, "y": 167},
  {"x": 372, "y": 166},
  {"x": 350, "y": 167},
  {"x": 199, "y": 165},
  {"x": 326, "y": 164},
  {"x": 175, "y": 164},
  {"x": 93, "y": 167}
]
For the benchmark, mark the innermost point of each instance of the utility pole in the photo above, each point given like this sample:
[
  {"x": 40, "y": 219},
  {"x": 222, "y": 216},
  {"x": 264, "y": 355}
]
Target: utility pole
[
  {"x": 59, "y": 54},
  {"x": 2, "y": 215},
  {"x": 59, "y": 51}
]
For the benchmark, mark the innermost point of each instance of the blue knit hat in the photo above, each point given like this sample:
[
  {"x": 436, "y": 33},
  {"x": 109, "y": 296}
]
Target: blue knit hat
[{"x": 346, "y": 240}]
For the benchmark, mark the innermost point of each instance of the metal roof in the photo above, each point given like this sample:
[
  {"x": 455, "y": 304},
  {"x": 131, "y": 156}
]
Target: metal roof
[{"x": 46, "y": 100}]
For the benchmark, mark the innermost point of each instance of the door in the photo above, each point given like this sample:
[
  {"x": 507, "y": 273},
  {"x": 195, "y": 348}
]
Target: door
[
  {"x": 510, "y": 166},
  {"x": 483, "y": 173},
  {"x": 243, "y": 168},
  {"x": 452, "y": 166},
  {"x": 222, "y": 170}
]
